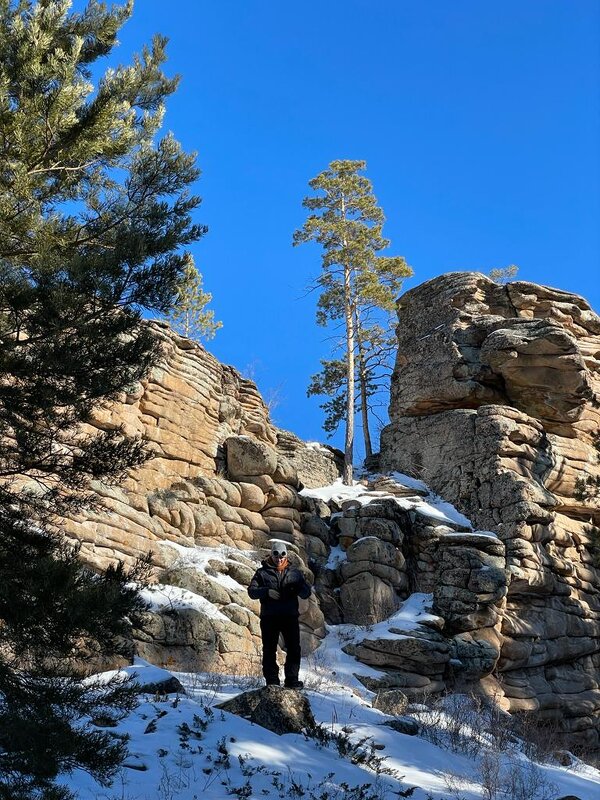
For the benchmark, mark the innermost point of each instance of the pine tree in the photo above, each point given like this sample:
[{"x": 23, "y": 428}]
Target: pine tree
[
  {"x": 189, "y": 314},
  {"x": 94, "y": 211},
  {"x": 355, "y": 280}
]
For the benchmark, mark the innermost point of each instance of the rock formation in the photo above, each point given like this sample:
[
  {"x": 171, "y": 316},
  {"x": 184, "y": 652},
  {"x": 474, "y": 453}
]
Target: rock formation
[
  {"x": 495, "y": 404},
  {"x": 217, "y": 482},
  {"x": 396, "y": 554}
]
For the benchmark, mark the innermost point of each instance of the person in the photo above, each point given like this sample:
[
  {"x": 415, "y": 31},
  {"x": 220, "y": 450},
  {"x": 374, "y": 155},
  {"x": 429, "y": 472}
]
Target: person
[{"x": 278, "y": 586}]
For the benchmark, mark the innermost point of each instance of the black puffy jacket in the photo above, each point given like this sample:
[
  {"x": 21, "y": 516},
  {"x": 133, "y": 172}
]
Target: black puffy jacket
[{"x": 290, "y": 583}]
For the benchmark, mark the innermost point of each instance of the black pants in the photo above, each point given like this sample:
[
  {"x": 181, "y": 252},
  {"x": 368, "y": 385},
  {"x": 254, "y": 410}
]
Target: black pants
[{"x": 289, "y": 628}]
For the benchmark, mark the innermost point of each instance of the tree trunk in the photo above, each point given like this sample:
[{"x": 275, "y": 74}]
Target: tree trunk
[
  {"x": 347, "y": 476},
  {"x": 362, "y": 383},
  {"x": 349, "y": 444}
]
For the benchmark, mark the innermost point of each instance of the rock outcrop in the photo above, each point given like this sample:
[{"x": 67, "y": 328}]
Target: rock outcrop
[
  {"x": 496, "y": 404},
  {"x": 205, "y": 505},
  {"x": 417, "y": 593},
  {"x": 272, "y": 707},
  {"x": 316, "y": 464},
  {"x": 493, "y": 406},
  {"x": 223, "y": 481}
]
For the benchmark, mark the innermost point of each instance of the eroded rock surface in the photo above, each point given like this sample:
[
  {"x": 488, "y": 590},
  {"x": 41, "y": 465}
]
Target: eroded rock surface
[
  {"x": 206, "y": 505},
  {"x": 509, "y": 603},
  {"x": 416, "y": 592},
  {"x": 495, "y": 404}
]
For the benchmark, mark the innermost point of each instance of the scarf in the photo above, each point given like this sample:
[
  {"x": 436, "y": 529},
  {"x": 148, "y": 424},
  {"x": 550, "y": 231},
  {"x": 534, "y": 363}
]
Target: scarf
[{"x": 282, "y": 564}]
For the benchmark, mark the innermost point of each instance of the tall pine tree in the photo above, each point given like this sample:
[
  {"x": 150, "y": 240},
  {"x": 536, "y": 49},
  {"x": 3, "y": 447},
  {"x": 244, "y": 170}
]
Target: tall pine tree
[
  {"x": 355, "y": 280},
  {"x": 94, "y": 213}
]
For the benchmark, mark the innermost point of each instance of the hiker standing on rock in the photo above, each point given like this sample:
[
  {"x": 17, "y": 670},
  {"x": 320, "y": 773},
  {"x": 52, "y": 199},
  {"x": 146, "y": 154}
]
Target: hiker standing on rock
[{"x": 278, "y": 587}]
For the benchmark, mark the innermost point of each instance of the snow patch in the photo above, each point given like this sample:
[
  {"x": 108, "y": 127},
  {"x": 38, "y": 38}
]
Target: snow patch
[
  {"x": 161, "y": 597},
  {"x": 432, "y": 506}
]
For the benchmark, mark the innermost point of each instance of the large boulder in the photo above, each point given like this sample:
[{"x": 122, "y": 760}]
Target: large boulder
[
  {"x": 315, "y": 464},
  {"x": 249, "y": 456},
  {"x": 272, "y": 707},
  {"x": 366, "y": 598}
]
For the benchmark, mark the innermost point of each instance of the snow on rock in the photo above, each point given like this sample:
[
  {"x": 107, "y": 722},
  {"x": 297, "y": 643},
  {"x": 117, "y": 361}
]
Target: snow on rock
[
  {"x": 431, "y": 505},
  {"x": 336, "y": 556},
  {"x": 160, "y": 598},
  {"x": 203, "y": 559},
  {"x": 141, "y": 671}
]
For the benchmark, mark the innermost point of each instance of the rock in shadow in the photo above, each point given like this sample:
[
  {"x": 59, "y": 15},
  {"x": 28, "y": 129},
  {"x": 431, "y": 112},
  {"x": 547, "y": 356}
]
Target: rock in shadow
[{"x": 272, "y": 707}]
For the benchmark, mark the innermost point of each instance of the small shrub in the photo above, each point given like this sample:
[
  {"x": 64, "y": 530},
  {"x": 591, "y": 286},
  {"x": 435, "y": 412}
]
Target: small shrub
[
  {"x": 587, "y": 489},
  {"x": 363, "y": 751}
]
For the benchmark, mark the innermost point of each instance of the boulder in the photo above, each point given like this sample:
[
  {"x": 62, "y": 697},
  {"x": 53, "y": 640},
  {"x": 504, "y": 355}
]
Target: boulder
[
  {"x": 249, "y": 456},
  {"x": 366, "y": 599},
  {"x": 315, "y": 464},
  {"x": 272, "y": 707},
  {"x": 391, "y": 701},
  {"x": 406, "y": 725},
  {"x": 170, "y": 685}
]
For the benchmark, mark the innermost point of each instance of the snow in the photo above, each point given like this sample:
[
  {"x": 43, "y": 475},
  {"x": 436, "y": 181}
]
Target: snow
[
  {"x": 432, "y": 506},
  {"x": 411, "y": 615},
  {"x": 202, "y": 559},
  {"x": 339, "y": 492},
  {"x": 318, "y": 446},
  {"x": 410, "y": 483},
  {"x": 222, "y": 753},
  {"x": 141, "y": 671},
  {"x": 160, "y": 598},
  {"x": 437, "y": 508},
  {"x": 337, "y": 555}
]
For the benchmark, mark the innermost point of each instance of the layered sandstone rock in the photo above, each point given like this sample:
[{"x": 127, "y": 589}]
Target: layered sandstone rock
[
  {"x": 222, "y": 483},
  {"x": 217, "y": 485},
  {"x": 493, "y": 406},
  {"x": 418, "y": 593},
  {"x": 495, "y": 403}
]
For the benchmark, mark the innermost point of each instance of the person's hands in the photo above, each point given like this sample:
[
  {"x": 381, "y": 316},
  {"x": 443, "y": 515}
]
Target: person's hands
[{"x": 274, "y": 594}]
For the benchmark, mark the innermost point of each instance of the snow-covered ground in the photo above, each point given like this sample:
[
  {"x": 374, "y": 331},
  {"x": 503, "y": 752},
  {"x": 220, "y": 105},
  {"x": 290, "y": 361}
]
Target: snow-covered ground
[{"x": 183, "y": 748}]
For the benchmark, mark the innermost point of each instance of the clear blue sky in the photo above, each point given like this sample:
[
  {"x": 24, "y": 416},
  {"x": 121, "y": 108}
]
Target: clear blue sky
[{"x": 479, "y": 122}]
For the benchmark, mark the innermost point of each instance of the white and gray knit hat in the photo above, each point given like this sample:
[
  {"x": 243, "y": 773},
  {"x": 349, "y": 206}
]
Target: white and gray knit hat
[{"x": 278, "y": 547}]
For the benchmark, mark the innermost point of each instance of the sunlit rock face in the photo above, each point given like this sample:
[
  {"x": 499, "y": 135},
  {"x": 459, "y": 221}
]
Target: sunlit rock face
[
  {"x": 217, "y": 489},
  {"x": 495, "y": 403}
]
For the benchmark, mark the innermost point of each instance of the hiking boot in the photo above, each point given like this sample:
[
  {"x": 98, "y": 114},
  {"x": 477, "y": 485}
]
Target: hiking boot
[{"x": 294, "y": 685}]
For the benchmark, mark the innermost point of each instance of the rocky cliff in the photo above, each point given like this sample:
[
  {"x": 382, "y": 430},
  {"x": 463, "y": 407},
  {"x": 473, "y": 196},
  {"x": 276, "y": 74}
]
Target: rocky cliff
[
  {"x": 495, "y": 404},
  {"x": 222, "y": 481}
]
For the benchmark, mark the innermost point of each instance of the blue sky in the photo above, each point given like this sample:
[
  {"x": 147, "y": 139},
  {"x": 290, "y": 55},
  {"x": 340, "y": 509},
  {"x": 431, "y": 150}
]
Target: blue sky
[{"x": 479, "y": 122}]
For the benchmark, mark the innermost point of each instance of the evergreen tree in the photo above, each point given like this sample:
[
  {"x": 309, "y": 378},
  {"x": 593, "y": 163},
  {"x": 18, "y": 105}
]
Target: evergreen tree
[
  {"x": 189, "y": 314},
  {"x": 354, "y": 282},
  {"x": 94, "y": 211}
]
